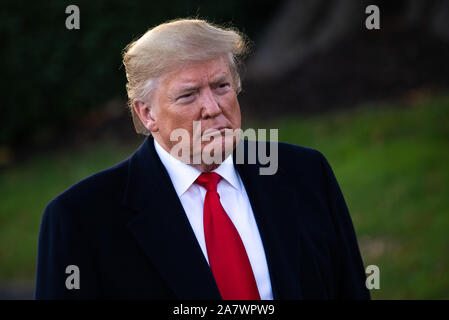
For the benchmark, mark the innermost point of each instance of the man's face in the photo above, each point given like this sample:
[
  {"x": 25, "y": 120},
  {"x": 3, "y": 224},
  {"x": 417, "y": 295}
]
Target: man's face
[{"x": 203, "y": 91}]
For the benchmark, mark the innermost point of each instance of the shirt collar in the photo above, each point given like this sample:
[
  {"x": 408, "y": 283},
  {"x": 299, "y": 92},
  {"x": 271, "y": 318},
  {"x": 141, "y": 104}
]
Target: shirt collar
[
  {"x": 227, "y": 171},
  {"x": 183, "y": 176}
]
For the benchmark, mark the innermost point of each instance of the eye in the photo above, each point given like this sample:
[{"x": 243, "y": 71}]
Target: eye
[
  {"x": 186, "y": 97},
  {"x": 223, "y": 87}
]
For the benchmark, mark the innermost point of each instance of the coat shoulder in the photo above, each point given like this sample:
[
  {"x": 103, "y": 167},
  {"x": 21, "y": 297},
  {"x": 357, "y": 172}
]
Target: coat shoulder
[
  {"x": 298, "y": 159},
  {"x": 302, "y": 152}
]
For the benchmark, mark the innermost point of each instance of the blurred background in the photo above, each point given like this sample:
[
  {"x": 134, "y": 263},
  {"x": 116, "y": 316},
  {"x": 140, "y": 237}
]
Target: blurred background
[{"x": 374, "y": 102}]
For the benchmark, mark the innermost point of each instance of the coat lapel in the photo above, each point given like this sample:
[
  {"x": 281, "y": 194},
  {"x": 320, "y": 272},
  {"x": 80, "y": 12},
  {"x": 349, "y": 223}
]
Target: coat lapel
[{"x": 162, "y": 229}]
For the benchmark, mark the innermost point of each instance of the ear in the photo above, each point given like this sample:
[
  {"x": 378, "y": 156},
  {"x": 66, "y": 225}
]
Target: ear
[{"x": 146, "y": 115}]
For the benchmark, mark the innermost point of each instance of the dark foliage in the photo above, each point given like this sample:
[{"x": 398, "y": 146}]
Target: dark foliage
[{"x": 51, "y": 75}]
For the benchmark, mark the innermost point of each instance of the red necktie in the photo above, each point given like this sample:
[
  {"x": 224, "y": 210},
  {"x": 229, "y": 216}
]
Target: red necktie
[{"x": 227, "y": 256}]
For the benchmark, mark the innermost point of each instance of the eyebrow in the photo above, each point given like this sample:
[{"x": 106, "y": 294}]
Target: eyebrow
[
  {"x": 187, "y": 89},
  {"x": 219, "y": 79},
  {"x": 195, "y": 87}
]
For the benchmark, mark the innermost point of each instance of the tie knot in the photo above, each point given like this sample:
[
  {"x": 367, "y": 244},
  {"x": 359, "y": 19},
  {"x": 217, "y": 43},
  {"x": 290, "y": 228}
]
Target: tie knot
[{"x": 209, "y": 181}]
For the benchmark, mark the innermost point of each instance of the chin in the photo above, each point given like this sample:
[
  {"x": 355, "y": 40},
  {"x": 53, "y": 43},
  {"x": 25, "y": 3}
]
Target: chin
[{"x": 223, "y": 146}]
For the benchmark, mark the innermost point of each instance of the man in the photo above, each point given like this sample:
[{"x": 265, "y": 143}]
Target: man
[{"x": 168, "y": 223}]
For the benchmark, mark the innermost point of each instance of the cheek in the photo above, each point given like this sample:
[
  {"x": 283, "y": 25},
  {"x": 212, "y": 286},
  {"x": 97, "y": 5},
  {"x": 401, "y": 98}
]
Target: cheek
[
  {"x": 182, "y": 118},
  {"x": 232, "y": 109}
]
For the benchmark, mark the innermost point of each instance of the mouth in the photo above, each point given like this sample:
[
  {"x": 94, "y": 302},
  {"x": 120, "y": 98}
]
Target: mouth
[{"x": 214, "y": 131}]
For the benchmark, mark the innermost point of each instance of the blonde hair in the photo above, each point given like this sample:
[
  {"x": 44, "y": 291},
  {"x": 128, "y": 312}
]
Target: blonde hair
[{"x": 175, "y": 43}]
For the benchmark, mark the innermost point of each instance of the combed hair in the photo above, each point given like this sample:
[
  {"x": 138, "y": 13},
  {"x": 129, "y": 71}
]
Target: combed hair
[{"x": 172, "y": 44}]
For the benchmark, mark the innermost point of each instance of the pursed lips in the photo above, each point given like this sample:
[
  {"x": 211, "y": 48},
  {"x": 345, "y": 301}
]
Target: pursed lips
[{"x": 212, "y": 131}]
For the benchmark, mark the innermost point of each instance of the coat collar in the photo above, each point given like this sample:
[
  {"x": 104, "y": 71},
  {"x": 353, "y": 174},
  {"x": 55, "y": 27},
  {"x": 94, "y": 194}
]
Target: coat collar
[{"x": 163, "y": 231}]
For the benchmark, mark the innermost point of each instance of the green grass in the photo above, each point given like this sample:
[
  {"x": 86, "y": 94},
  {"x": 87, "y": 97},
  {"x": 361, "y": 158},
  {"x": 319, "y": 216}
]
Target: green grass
[
  {"x": 392, "y": 163},
  {"x": 26, "y": 189},
  {"x": 393, "y": 168}
]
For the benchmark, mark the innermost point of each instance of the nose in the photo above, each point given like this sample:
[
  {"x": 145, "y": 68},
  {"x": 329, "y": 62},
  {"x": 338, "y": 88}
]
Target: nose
[{"x": 209, "y": 105}]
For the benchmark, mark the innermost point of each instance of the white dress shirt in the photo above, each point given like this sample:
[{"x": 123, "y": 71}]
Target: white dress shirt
[{"x": 233, "y": 198}]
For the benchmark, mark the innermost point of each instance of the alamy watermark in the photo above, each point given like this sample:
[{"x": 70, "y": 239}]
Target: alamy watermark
[
  {"x": 373, "y": 277},
  {"x": 373, "y": 20},
  {"x": 73, "y": 280},
  {"x": 73, "y": 20}
]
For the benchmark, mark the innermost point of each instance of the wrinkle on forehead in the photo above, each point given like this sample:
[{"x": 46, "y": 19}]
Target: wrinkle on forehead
[{"x": 197, "y": 73}]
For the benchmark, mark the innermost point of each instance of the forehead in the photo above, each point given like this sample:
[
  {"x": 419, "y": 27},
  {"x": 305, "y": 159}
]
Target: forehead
[{"x": 197, "y": 73}]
